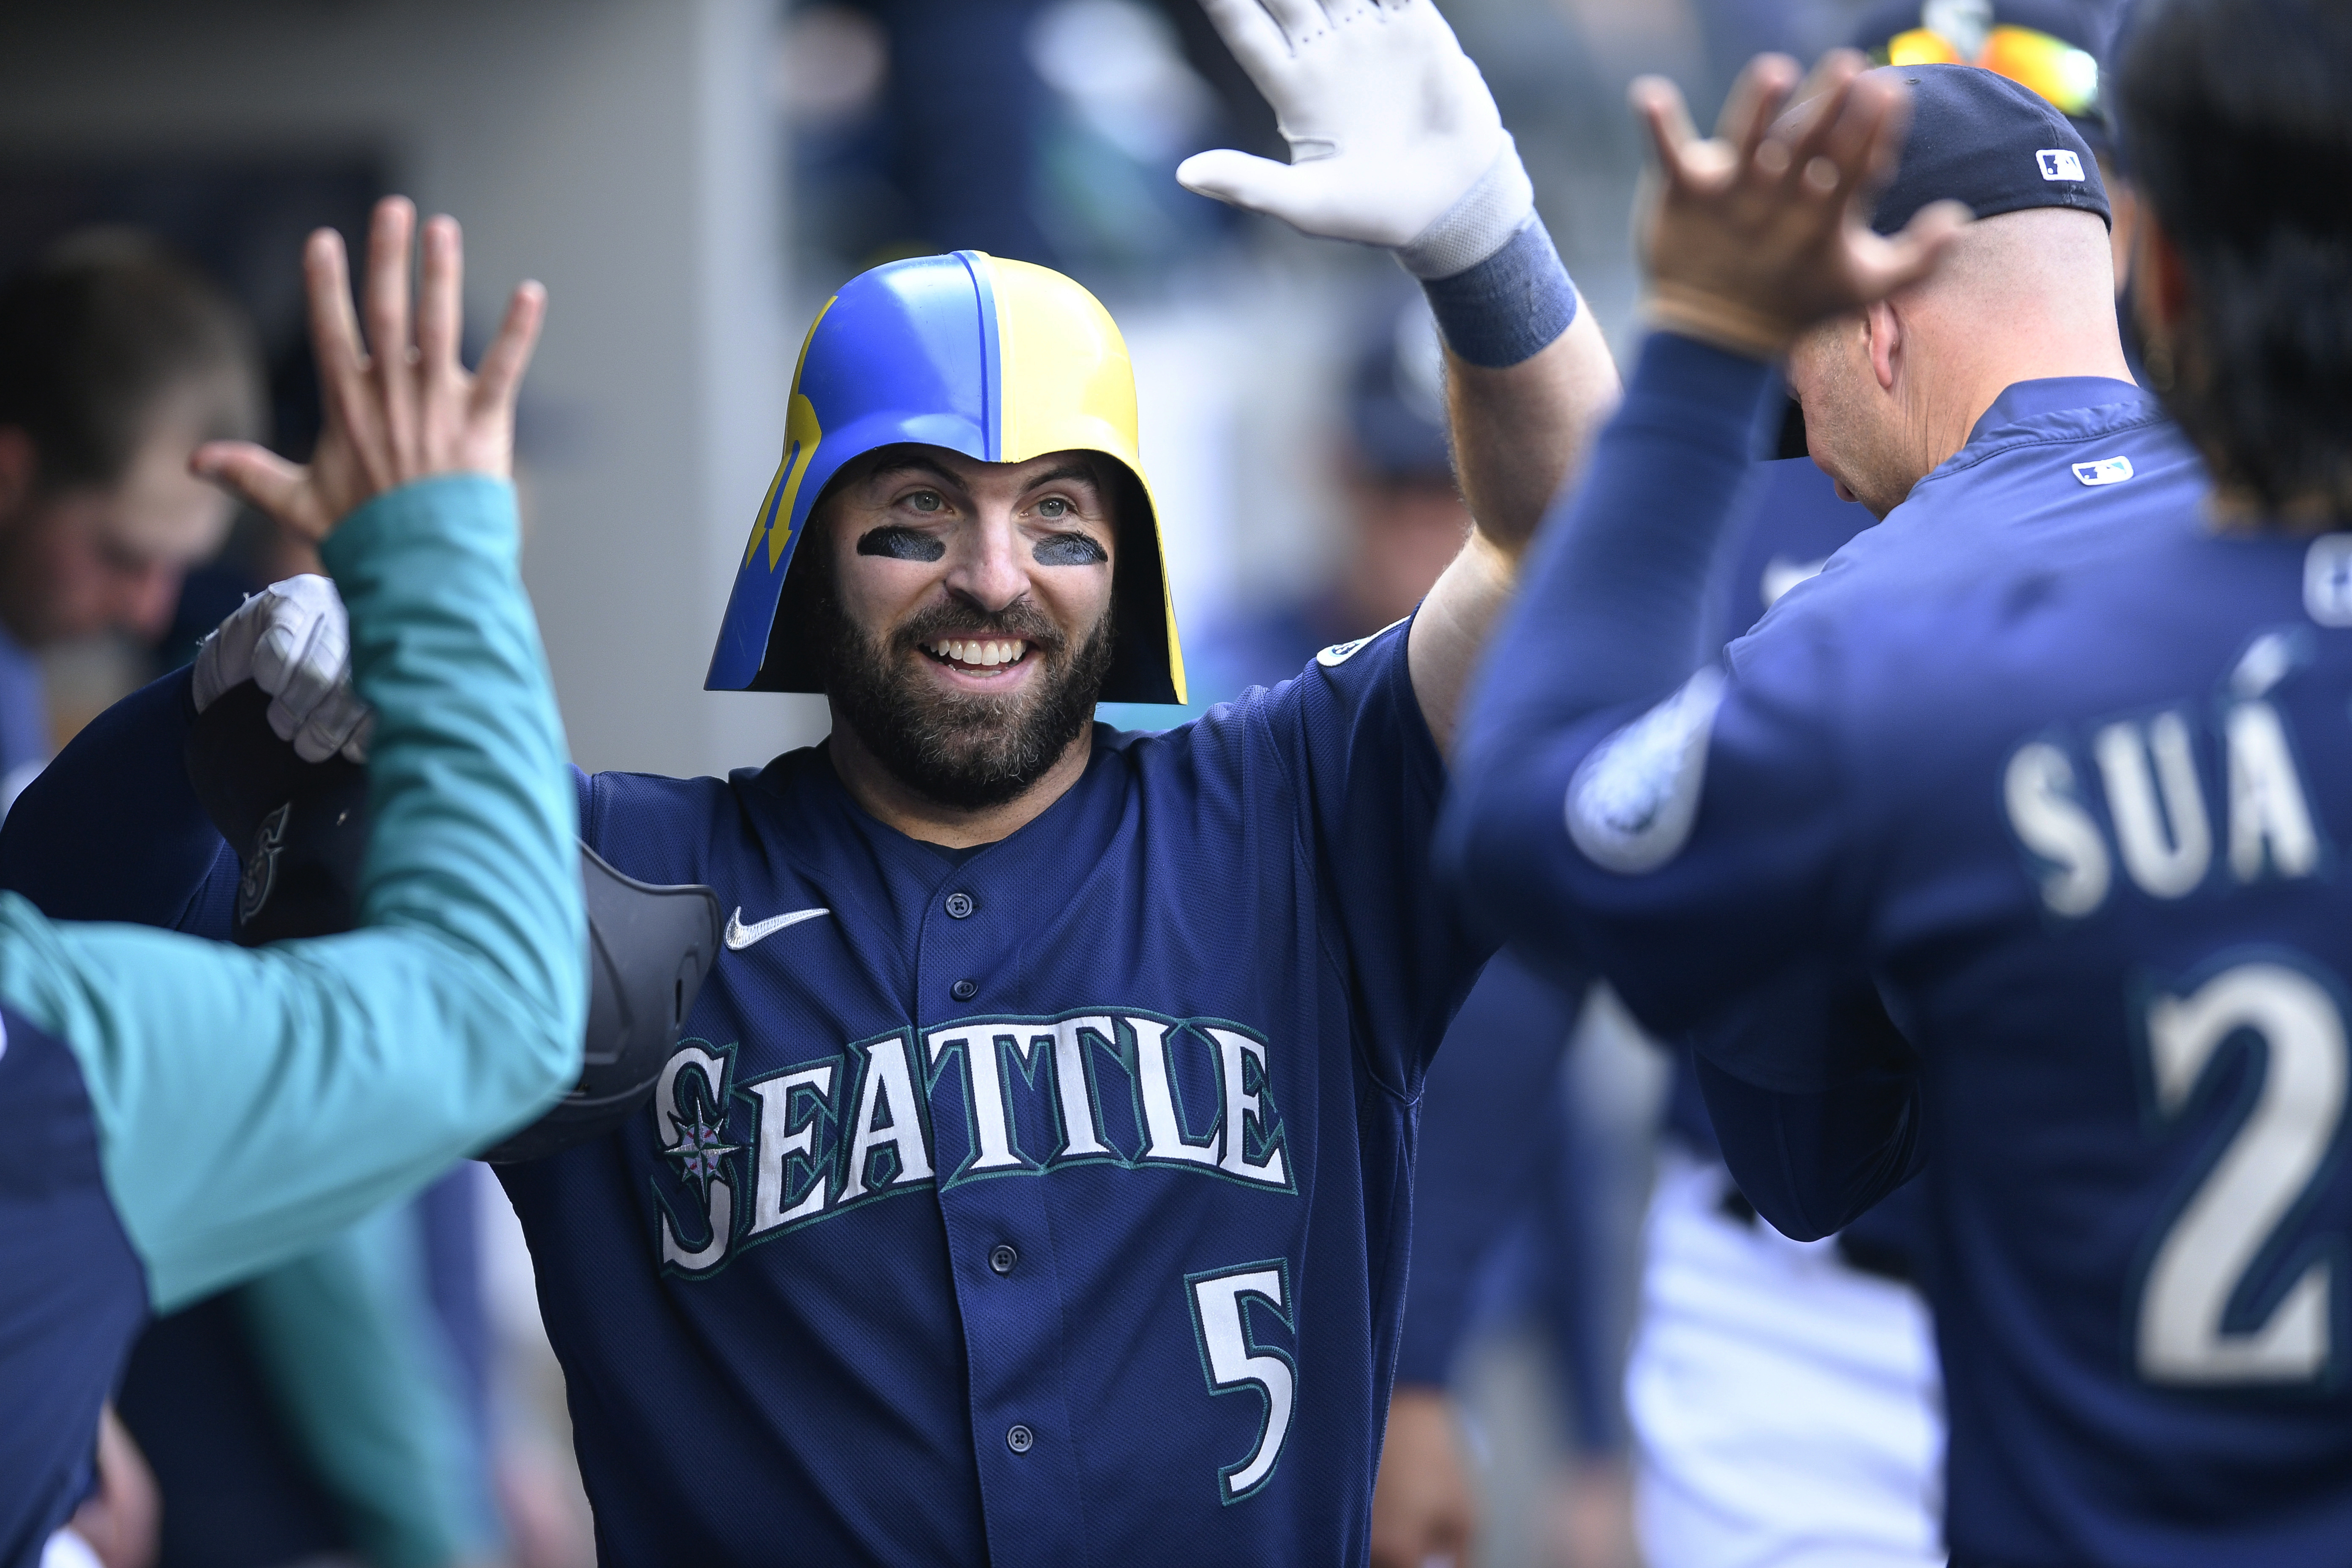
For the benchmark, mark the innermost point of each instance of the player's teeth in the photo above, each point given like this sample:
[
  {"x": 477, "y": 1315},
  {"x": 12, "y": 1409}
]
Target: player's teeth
[{"x": 985, "y": 655}]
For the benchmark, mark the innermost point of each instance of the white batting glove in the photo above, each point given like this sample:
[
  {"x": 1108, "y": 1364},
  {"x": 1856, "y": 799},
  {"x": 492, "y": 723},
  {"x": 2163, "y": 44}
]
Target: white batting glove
[
  {"x": 1394, "y": 139},
  {"x": 292, "y": 641}
]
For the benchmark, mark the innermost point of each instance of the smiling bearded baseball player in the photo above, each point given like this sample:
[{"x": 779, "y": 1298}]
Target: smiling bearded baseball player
[{"x": 1032, "y": 1183}]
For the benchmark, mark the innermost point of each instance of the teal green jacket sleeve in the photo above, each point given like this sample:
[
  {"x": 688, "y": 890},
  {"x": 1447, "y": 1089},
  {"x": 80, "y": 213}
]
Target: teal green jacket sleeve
[
  {"x": 251, "y": 1103},
  {"x": 356, "y": 1365}
]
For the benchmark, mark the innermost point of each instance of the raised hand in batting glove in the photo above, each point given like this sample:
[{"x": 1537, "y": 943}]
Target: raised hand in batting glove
[
  {"x": 291, "y": 640},
  {"x": 1394, "y": 139}
]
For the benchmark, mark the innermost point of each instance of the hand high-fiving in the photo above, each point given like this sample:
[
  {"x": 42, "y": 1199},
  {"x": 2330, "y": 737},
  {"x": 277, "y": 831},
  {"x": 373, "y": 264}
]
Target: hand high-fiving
[
  {"x": 1751, "y": 237},
  {"x": 402, "y": 408},
  {"x": 1390, "y": 124}
]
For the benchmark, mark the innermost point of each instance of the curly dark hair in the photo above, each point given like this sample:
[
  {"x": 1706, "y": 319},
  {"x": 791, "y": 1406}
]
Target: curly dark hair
[{"x": 2237, "y": 120}]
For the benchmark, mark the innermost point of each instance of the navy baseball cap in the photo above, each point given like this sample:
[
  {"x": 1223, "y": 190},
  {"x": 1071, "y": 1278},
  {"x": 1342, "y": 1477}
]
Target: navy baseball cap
[{"x": 1979, "y": 137}]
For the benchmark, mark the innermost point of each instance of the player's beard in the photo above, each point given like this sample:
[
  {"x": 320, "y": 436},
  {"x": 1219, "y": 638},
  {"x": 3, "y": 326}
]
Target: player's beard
[{"x": 966, "y": 750}]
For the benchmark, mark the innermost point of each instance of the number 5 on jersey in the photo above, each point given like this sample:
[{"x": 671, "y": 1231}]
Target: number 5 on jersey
[{"x": 1233, "y": 1361}]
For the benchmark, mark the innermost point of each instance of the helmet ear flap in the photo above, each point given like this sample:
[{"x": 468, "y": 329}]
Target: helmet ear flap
[
  {"x": 1138, "y": 669},
  {"x": 797, "y": 653}
]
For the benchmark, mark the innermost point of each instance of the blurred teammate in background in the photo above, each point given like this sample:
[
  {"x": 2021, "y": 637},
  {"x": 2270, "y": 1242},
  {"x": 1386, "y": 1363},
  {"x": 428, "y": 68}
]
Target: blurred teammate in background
[{"x": 116, "y": 361}]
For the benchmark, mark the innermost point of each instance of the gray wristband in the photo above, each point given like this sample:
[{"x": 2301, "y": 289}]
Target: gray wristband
[{"x": 1509, "y": 307}]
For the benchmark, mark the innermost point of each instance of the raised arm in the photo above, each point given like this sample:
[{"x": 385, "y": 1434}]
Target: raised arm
[
  {"x": 1746, "y": 241},
  {"x": 1395, "y": 141},
  {"x": 250, "y": 1103},
  {"x": 1576, "y": 826}
]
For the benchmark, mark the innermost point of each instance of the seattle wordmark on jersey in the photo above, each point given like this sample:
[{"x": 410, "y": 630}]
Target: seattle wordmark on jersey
[
  {"x": 2058, "y": 771},
  {"x": 1047, "y": 1203},
  {"x": 827, "y": 1134}
]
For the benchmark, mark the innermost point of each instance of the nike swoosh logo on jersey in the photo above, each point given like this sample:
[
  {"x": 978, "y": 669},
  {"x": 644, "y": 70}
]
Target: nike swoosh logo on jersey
[{"x": 741, "y": 936}]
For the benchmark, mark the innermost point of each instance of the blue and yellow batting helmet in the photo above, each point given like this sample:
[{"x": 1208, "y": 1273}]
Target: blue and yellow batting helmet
[{"x": 998, "y": 360}]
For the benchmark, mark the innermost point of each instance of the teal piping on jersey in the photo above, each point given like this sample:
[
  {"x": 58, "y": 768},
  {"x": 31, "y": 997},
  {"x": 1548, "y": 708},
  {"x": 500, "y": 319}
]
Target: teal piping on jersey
[
  {"x": 356, "y": 1363},
  {"x": 251, "y": 1103}
]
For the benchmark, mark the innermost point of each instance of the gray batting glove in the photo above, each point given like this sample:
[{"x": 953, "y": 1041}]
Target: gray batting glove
[
  {"x": 292, "y": 641},
  {"x": 1394, "y": 139}
]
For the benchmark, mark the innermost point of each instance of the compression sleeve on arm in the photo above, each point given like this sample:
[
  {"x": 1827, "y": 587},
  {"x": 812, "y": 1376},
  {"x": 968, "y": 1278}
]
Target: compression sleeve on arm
[
  {"x": 251, "y": 1103},
  {"x": 1610, "y": 616}
]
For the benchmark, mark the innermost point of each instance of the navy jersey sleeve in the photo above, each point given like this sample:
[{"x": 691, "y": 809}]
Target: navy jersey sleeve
[
  {"x": 1485, "y": 1109},
  {"x": 1625, "y": 794},
  {"x": 111, "y": 830},
  {"x": 1621, "y": 794},
  {"x": 1812, "y": 1160},
  {"x": 1368, "y": 778}
]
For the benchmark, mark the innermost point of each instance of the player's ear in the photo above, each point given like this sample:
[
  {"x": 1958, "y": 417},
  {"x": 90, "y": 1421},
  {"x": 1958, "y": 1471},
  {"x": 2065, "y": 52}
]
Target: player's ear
[{"x": 1882, "y": 333}]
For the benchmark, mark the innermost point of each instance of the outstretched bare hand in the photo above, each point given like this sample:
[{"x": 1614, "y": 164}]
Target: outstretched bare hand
[
  {"x": 403, "y": 407},
  {"x": 1752, "y": 235}
]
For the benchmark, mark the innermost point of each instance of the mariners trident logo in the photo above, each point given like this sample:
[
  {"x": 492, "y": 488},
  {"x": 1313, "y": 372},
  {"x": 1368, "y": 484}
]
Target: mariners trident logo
[
  {"x": 977, "y": 1098},
  {"x": 260, "y": 878}
]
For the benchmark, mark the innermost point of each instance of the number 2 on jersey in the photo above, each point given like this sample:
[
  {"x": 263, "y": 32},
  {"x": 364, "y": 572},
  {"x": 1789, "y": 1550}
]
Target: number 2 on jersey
[
  {"x": 2264, "y": 1170},
  {"x": 1233, "y": 1361}
]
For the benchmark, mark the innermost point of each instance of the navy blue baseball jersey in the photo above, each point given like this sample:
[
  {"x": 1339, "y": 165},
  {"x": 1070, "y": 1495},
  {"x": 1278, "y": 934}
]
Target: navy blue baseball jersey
[
  {"x": 1046, "y": 1203},
  {"x": 2053, "y": 768}
]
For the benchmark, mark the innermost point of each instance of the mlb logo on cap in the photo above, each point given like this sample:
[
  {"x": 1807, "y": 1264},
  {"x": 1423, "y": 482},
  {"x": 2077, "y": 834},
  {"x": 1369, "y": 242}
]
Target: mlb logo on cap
[
  {"x": 2105, "y": 471},
  {"x": 2060, "y": 163}
]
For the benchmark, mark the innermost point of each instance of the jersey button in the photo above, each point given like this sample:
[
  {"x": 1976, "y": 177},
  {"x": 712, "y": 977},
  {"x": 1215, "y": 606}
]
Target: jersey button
[
  {"x": 960, "y": 906},
  {"x": 1020, "y": 1439},
  {"x": 1001, "y": 1257},
  {"x": 964, "y": 990}
]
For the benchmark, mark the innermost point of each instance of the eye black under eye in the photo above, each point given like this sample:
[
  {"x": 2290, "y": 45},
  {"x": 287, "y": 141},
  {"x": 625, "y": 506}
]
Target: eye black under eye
[
  {"x": 900, "y": 544},
  {"x": 1068, "y": 549}
]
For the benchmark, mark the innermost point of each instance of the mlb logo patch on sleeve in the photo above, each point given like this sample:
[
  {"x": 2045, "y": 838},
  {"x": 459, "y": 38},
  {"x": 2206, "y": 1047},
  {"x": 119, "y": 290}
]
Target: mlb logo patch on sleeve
[
  {"x": 2105, "y": 471},
  {"x": 2059, "y": 164},
  {"x": 1338, "y": 654}
]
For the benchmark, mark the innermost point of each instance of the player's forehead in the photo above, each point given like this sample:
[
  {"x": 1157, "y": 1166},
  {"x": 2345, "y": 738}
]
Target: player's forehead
[{"x": 974, "y": 475}]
